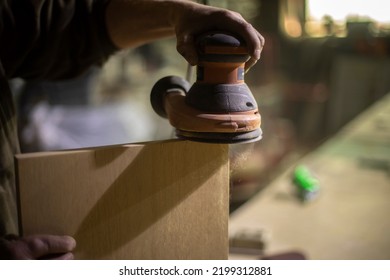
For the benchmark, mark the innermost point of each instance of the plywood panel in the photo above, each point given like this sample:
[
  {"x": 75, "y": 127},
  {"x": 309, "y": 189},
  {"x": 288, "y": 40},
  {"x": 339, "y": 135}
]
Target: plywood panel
[{"x": 159, "y": 200}]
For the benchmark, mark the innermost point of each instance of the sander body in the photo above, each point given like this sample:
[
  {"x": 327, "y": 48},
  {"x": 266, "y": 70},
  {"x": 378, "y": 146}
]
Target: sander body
[{"x": 219, "y": 107}]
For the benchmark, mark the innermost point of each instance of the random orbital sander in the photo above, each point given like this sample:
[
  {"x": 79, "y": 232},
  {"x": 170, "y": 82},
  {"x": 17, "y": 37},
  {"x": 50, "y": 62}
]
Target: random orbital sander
[{"x": 218, "y": 107}]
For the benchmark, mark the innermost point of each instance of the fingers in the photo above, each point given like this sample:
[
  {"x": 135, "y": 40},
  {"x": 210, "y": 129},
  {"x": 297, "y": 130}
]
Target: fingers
[
  {"x": 42, "y": 247},
  {"x": 50, "y": 244},
  {"x": 254, "y": 40},
  {"x": 66, "y": 256},
  {"x": 186, "y": 47},
  {"x": 206, "y": 18},
  {"x": 255, "y": 56}
]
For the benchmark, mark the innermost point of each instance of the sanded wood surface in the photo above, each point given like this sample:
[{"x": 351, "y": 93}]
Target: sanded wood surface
[{"x": 159, "y": 200}]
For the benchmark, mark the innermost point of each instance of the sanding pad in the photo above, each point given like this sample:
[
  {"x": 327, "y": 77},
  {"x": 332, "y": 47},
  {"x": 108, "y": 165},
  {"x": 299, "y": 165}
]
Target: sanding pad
[{"x": 221, "y": 138}]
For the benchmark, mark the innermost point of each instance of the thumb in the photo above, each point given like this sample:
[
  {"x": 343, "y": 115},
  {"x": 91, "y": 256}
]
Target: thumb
[{"x": 186, "y": 47}]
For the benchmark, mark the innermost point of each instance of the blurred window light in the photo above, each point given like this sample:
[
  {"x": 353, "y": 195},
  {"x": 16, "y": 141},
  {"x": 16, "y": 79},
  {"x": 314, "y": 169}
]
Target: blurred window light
[
  {"x": 340, "y": 10},
  {"x": 320, "y": 18},
  {"x": 330, "y": 17}
]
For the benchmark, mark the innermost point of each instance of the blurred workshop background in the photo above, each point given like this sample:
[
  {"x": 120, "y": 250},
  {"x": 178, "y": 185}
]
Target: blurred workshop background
[{"x": 324, "y": 63}]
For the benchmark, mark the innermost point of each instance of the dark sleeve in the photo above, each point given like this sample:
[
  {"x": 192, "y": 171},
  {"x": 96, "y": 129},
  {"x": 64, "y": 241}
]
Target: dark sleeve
[
  {"x": 8, "y": 148},
  {"x": 52, "y": 39}
]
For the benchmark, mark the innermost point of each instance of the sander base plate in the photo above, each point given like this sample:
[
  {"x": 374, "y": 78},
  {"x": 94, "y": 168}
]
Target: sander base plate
[{"x": 220, "y": 138}]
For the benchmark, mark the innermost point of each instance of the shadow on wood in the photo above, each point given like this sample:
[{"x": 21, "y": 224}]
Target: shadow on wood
[{"x": 160, "y": 200}]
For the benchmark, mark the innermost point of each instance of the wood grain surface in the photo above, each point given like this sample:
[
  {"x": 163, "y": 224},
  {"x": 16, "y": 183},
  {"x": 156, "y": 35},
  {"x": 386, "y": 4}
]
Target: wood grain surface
[{"x": 158, "y": 200}]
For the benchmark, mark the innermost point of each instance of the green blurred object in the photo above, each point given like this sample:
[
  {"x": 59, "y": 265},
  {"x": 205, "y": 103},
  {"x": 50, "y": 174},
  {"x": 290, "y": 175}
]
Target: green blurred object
[{"x": 308, "y": 185}]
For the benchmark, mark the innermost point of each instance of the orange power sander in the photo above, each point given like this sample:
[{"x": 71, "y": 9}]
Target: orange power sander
[{"x": 219, "y": 107}]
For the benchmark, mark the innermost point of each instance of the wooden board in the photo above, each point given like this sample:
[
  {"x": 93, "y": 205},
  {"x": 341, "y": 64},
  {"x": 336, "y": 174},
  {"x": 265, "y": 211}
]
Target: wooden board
[{"x": 159, "y": 200}]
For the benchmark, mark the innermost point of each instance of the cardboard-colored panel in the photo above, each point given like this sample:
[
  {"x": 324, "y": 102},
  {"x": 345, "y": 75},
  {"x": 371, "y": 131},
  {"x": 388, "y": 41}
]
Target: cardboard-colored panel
[{"x": 158, "y": 200}]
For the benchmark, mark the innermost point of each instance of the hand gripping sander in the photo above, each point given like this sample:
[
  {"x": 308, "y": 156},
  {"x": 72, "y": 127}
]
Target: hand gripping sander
[{"x": 219, "y": 107}]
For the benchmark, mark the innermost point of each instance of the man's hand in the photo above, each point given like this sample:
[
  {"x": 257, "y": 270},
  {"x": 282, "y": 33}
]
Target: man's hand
[
  {"x": 33, "y": 247},
  {"x": 132, "y": 23},
  {"x": 194, "y": 20}
]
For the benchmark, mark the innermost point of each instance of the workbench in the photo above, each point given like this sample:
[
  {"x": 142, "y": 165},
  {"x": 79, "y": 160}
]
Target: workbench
[{"x": 349, "y": 218}]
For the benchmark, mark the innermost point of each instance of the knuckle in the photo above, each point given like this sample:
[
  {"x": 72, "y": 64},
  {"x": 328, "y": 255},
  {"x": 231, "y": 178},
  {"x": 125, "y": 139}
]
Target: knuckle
[
  {"x": 230, "y": 13},
  {"x": 37, "y": 244},
  {"x": 262, "y": 40},
  {"x": 247, "y": 27},
  {"x": 222, "y": 13}
]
